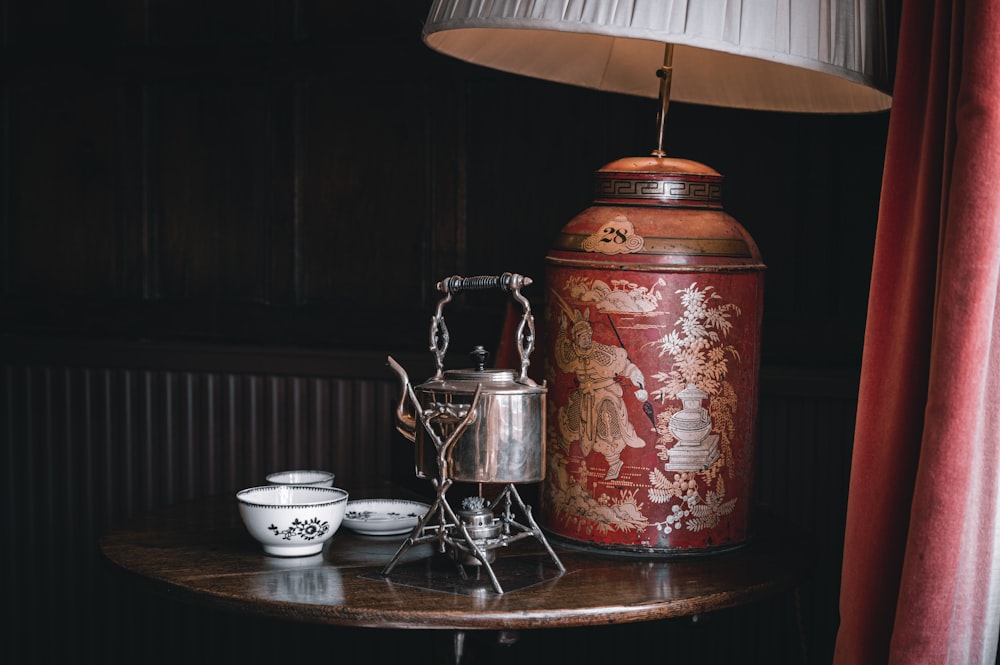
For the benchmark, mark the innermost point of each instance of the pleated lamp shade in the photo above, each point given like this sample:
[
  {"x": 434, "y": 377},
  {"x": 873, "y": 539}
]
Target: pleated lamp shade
[{"x": 782, "y": 55}]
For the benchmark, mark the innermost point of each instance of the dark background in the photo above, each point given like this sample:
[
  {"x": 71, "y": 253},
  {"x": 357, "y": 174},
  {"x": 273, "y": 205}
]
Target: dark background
[{"x": 216, "y": 219}]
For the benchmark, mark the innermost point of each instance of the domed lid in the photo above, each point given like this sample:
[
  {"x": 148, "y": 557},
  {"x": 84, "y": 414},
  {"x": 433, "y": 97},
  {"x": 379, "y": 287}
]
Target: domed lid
[
  {"x": 484, "y": 376},
  {"x": 489, "y": 381},
  {"x": 662, "y": 165},
  {"x": 658, "y": 181},
  {"x": 467, "y": 380}
]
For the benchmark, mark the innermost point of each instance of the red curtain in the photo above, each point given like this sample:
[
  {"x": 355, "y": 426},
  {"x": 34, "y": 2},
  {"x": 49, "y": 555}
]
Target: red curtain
[{"x": 921, "y": 571}]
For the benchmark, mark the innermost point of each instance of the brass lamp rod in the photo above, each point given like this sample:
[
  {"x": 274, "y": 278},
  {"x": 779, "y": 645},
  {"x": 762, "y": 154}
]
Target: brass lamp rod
[{"x": 665, "y": 74}]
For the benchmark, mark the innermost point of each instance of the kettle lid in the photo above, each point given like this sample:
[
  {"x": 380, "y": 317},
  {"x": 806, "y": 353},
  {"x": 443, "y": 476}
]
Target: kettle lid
[
  {"x": 492, "y": 380},
  {"x": 476, "y": 375}
]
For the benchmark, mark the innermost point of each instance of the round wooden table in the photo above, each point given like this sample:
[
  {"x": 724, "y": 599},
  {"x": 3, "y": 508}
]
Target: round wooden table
[{"x": 200, "y": 551}]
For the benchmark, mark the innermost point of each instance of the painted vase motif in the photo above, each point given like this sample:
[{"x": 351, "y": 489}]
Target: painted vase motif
[{"x": 651, "y": 343}]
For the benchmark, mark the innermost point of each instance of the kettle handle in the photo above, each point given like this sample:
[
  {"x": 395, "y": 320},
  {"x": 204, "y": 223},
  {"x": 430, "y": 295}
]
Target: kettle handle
[{"x": 508, "y": 281}]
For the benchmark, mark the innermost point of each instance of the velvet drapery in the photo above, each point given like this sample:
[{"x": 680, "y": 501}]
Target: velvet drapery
[{"x": 921, "y": 579}]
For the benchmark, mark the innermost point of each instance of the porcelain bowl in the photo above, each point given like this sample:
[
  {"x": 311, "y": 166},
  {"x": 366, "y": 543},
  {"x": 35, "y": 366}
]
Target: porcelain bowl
[
  {"x": 309, "y": 477},
  {"x": 292, "y": 520}
]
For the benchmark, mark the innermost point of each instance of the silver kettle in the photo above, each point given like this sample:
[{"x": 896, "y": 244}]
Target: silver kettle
[{"x": 476, "y": 424}]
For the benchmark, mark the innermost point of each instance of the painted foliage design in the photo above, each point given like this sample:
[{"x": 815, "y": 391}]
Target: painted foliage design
[
  {"x": 700, "y": 365},
  {"x": 691, "y": 425}
]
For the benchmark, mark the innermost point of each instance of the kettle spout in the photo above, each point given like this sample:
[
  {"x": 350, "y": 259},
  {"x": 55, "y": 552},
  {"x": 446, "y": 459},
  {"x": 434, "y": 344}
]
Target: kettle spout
[{"x": 406, "y": 422}]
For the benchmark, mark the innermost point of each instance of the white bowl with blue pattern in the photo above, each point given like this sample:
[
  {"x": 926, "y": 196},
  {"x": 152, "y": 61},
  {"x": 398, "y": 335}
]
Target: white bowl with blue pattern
[{"x": 292, "y": 520}]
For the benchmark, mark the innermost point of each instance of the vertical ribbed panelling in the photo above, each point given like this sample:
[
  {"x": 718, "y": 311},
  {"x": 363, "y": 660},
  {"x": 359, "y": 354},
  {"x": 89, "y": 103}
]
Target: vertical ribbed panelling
[
  {"x": 145, "y": 438},
  {"x": 804, "y": 460},
  {"x": 84, "y": 448},
  {"x": 802, "y": 456}
]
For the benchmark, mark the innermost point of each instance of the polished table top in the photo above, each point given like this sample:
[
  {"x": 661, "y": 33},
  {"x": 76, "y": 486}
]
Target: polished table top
[{"x": 201, "y": 552}]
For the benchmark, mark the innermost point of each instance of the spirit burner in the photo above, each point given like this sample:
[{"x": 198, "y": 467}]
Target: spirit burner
[{"x": 476, "y": 425}]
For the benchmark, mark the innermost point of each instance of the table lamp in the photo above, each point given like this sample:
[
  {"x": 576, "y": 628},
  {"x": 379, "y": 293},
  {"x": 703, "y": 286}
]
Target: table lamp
[{"x": 653, "y": 295}]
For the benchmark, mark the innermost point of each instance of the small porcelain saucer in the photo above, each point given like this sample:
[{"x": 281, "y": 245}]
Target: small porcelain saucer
[{"x": 383, "y": 517}]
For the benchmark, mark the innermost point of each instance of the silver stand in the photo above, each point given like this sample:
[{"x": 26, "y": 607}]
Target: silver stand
[{"x": 467, "y": 541}]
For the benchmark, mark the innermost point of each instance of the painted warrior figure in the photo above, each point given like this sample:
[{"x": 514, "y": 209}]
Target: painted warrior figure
[{"x": 595, "y": 414}]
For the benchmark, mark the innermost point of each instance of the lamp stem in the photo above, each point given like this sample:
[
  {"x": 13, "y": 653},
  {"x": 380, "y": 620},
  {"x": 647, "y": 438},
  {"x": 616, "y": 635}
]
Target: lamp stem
[{"x": 665, "y": 74}]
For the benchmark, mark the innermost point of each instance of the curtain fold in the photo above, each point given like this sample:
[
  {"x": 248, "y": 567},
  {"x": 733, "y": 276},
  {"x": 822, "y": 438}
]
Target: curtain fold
[{"x": 920, "y": 580}]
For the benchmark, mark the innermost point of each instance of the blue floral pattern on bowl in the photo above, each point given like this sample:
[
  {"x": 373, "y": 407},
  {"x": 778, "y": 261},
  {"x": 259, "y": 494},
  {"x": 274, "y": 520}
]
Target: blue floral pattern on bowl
[{"x": 307, "y": 530}]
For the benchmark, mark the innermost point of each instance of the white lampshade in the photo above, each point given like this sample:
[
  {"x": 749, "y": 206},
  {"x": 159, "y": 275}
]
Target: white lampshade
[{"x": 782, "y": 55}]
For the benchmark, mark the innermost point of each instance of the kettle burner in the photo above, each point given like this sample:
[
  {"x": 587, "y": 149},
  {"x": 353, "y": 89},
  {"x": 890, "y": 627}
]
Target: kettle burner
[{"x": 476, "y": 425}]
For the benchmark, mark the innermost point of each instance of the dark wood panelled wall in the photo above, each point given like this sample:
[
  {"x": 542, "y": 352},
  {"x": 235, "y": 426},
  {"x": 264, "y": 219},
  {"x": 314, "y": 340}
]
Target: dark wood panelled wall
[{"x": 216, "y": 219}]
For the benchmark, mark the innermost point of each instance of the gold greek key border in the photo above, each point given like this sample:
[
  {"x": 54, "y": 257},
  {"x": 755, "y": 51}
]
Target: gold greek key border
[{"x": 658, "y": 190}]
